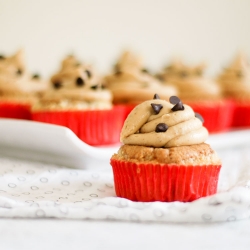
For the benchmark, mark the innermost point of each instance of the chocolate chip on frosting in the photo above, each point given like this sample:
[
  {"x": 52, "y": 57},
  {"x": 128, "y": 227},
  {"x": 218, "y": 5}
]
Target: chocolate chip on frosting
[
  {"x": 161, "y": 127},
  {"x": 88, "y": 73},
  {"x": 156, "y": 96},
  {"x": 174, "y": 99},
  {"x": 79, "y": 81},
  {"x": 145, "y": 70},
  {"x": 178, "y": 106},
  {"x": 19, "y": 72},
  {"x": 177, "y": 103},
  {"x": 57, "y": 85},
  {"x": 197, "y": 115},
  {"x": 156, "y": 107},
  {"x": 35, "y": 76}
]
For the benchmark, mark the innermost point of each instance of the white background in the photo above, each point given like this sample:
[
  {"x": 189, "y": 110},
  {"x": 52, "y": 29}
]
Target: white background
[{"x": 97, "y": 30}]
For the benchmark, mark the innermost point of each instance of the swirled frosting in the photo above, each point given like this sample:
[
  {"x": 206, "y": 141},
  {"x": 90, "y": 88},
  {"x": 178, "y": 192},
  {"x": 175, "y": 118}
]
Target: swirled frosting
[
  {"x": 235, "y": 79},
  {"x": 190, "y": 81},
  {"x": 154, "y": 123},
  {"x": 131, "y": 83},
  {"x": 76, "y": 86},
  {"x": 15, "y": 80}
]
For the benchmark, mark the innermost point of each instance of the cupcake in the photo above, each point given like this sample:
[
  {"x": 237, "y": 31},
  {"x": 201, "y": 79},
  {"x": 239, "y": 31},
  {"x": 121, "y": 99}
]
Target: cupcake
[
  {"x": 202, "y": 94},
  {"x": 164, "y": 156},
  {"x": 131, "y": 83},
  {"x": 18, "y": 88},
  {"x": 235, "y": 83},
  {"x": 77, "y": 100}
]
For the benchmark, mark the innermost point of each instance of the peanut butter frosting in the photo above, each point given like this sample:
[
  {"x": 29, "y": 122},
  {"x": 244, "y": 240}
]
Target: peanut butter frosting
[
  {"x": 235, "y": 79},
  {"x": 162, "y": 124},
  {"x": 132, "y": 84},
  {"x": 75, "y": 87},
  {"x": 190, "y": 82},
  {"x": 16, "y": 83}
]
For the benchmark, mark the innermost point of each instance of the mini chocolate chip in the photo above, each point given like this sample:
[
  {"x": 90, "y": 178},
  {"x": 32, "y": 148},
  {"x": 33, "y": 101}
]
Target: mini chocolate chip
[
  {"x": 19, "y": 72},
  {"x": 35, "y": 76},
  {"x": 161, "y": 127},
  {"x": 2, "y": 57},
  {"x": 156, "y": 96},
  {"x": 197, "y": 115},
  {"x": 57, "y": 85},
  {"x": 88, "y": 73},
  {"x": 77, "y": 64},
  {"x": 174, "y": 99},
  {"x": 183, "y": 74},
  {"x": 178, "y": 106},
  {"x": 156, "y": 107},
  {"x": 145, "y": 70},
  {"x": 79, "y": 81},
  {"x": 118, "y": 72},
  {"x": 94, "y": 87}
]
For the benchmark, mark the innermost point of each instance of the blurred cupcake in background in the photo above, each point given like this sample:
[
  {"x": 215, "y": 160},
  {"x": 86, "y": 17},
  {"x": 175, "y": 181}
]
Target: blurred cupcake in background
[
  {"x": 131, "y": 83},
  {"x": 76, "y": 99},
  {"x": 19, "y": 89},
  {"x": 235, "y": 83},
  {"x": 202, "y": 94}
]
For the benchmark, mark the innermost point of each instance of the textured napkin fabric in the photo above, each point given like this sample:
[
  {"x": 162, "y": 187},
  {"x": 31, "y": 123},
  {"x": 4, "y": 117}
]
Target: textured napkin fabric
[{"x": 37, "y": 190}]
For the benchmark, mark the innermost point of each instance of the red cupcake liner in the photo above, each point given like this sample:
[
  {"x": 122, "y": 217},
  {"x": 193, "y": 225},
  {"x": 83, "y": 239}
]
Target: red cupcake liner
[
  {"x": 127, "y": 108},
  {"x": 157, "y": 182},
  {"x": 218, "y": 115},
  {"x": 15, "y": 110},
  {"x": 241, "y": 116},
  {"x": 95, "y": 127}
]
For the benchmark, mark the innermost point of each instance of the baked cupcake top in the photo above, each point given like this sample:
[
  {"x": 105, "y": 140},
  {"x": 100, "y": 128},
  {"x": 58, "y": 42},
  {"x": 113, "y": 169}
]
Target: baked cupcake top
[
  {"x": 162, "y": 124},
  {"x": 131, "y": 83},
  {"x": 75, "y": 86},
  {"x": 15, "y": 80},
  {"x": 235, "y": 79},
  {"x": 190, "y": 81}
]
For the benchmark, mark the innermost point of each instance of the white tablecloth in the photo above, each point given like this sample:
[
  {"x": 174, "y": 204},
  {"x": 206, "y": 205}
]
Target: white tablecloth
[{"x": 38, "y": 190}]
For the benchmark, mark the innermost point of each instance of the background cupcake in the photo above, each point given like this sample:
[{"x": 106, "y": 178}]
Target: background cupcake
[
  {"x": 131, "y": 83},
  {"x": 18, "y": 88},
  {"x": 235, "y": 84},
  {"x": 164, "y": 157},
  {"x": 202, "y": 94},
  {"x": 77, "y": 100}
]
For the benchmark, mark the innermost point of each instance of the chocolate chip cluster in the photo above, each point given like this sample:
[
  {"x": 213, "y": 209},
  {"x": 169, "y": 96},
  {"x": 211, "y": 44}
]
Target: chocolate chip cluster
[{"x": 178, "y": 106}]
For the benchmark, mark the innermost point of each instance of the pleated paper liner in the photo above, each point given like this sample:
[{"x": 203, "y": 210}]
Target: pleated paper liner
[
  {"x": 95, "y": 127},
  {"x": 15, "y": 110},
  {"x": 241, "y": 116},
  {"x": 167, "y": 183},
  {"x": 127, "y": 108},
  {"x": 218, "y": 115}
]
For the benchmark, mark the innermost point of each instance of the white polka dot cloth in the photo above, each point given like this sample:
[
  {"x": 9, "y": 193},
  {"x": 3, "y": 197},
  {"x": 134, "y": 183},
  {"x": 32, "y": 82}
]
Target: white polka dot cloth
[{"x": 37, "y": 190}]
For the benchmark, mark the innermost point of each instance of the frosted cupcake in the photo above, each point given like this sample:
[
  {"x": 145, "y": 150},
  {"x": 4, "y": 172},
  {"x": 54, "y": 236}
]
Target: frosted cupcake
[
  {"x": 131, "y": 83},
  {"x": 77, "y": 100},
  {"x": 18, "y": 88},
  {"x": 164, "y": 156},
  {"x": 202, "y": 94},
  {"x": 235, "y": 83}
]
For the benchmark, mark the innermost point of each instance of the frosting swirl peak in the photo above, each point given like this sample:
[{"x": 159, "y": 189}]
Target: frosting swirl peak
[{"x": 167, "y": 128}]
